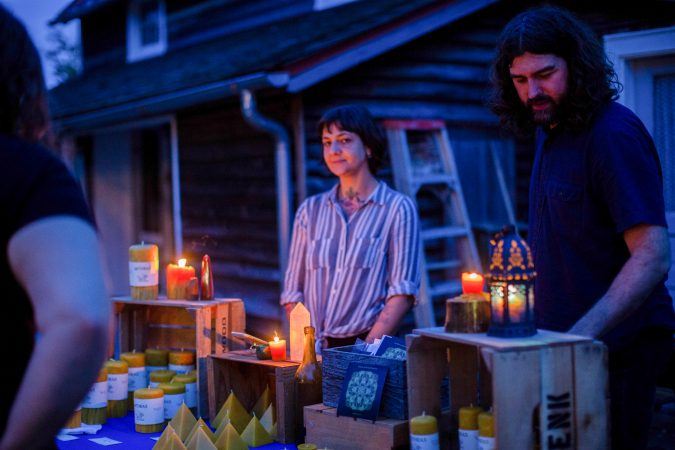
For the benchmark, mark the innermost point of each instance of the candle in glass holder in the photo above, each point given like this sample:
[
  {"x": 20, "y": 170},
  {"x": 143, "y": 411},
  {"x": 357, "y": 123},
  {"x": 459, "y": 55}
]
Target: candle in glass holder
[
  {"x": 144, "y": 271},
  {"x": 149, "y": 410},
  {"x": 278, "y": 349},
  {"x": 486, "y": 431},
  {"x": 468, "y": 427},
  {"x": 177, "y": 279},
  {"x": 118, "y": 386},
  {"x": 182, "y": 361},
  {"x": 472, "y": 283},
  {"x": 156, "y": 359},
  {"x": 138, "y": 378},
  {"x": 424, "y": 432}
]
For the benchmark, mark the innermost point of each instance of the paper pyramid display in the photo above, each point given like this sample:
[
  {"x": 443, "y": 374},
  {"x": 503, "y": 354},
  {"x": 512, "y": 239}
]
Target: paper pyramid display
[
  {"x": 200, "y": 425},
  {"x": 200, "y": 441},
  {"x": 183, "y": 422},
  {"x": 234, "y": 410},
  {"x": 263, "y": 402},
  {"x": 229, "y": 439},
  {"x": 223, "y": 423},
  {"x": 267, "y": 420},
  {"x": 169, "y": 440},
  {"x": 255, "y": 435}
]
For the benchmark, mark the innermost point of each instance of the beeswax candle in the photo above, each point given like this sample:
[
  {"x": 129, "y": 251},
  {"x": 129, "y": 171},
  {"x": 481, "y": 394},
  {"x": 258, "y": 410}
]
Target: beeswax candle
[
  {"x": 118, "y": 386},
  {"x": 278, "y": 349},
  {"x": 174, "y": 396},
  {"x": 144, "y": 271},
  {"x": 424, "y": 432},
  {"x": 486, "y": 431},
  {"x": 468, "y": 427},
  {"x": 181, "y": 362},
  {"x": 95, "y": 403},
  {"x": 161, "y": 376},
  {"x": 148, "y": 410},
  {"x": 156, "y": 359},
  {"x": 138, "y": 378},
  {"x": 190, "y": 382},
  {"x": 177, "y": 278}
]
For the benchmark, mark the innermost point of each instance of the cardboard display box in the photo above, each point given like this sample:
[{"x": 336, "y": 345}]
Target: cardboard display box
[
  {"x": 202, "y": 326},
  {"x": 550, "y": 387}
]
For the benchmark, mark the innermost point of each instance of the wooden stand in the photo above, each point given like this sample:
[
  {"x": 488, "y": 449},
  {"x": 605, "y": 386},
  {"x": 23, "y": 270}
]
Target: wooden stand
[
  {"x": 550, "y": 387},
  {"x": 325, "y": 429},
  {"x": 247, "y": 377},
  {"x": 202, "y": 326}
]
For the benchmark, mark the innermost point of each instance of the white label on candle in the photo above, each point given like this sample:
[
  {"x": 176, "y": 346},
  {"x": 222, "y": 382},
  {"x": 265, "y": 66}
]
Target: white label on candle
[
  {"x": 137, "y": 378},
  {"x": 148, "y": 411},
  {"x": 172, "y": 403},
  {"x": 181, "y": 369},
  {"x": 486, "y": 443},
  {"x": 143, "y": 274},
  {"x": 153, "y": 368},
  {"x": 191, "y": 395},
  {"x": 153, "y": 384},
  {"x": 118, "y": 386},
  {"x": 468, "y": 439},
  {"x": 424, "y": 441},
  {"x": 97, "y": 397}
]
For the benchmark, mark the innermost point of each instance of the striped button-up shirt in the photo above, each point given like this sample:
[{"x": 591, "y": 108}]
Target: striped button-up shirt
[{"x": 344, "y": 268}]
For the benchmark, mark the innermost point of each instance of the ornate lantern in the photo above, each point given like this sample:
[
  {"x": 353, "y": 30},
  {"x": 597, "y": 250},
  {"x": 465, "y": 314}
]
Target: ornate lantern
[{"x": 511, "y": 283}]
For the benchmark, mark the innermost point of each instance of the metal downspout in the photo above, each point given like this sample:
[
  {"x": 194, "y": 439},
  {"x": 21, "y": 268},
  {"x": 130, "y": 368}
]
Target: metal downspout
[{"x": 283, "y": 177}]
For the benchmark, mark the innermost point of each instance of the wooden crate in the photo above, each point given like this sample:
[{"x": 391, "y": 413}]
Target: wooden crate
[
  {"x": 556, "y": 380},
  {"x": 247, "y": 376},
  {"x": 325, "y": 429},
  {"x": 203, "y": 326}
]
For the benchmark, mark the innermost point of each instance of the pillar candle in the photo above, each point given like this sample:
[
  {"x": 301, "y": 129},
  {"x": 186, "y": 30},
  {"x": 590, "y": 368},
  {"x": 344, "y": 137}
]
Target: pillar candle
[
  {"x": 75, "y": 420},
  {"x": 118, "y": 386},
  {"x": 138, "y": 378},
  {"x": 486, "y": 431},
  {"x": 278, "y": 349},
  {"x": 95, "y": 403},
  {"x": 182, "y": 361},
  {"x": 177, "y": 279},
  {"x": 190, "y": 382},
  {"x": 161, "y": 376},
  {"x": 472, "y": 283},
  {"x": 149, "y": 410},
  {"x": 156, "y": 359},
  {"x": 174, "y": 396},
  {"x": 424, "y": 433},
  {"x": 144, "y": 271},
  {"x": 468, "y": 427}
]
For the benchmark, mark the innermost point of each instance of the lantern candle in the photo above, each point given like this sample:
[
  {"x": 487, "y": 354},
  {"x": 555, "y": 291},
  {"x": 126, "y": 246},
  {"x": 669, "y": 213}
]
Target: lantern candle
[
  {"x": 472, "y": 283},
  {"x": 138, "y": 378},
  {"x": 174, "y": 396},
  {"x": 149, "y": 410},
  {"x": 161, "y": 376},
  {"x": 118, "y": 385},
  {"x": 190, "y": 382},
  {"x": 95, "y": 403},
  {"x": 177, "y": 279},
  {"x": 486, "y": 431},
  {"x": 424, "y": 432},
  {"x": 181, "y": 362},
  {"x": 156, "y": 359},
  {"x": 278, "y": 349},
  {"x": 468, "y": 427},
  {"x": 144, "y": 271},
  {"x": 516, "y": 303}
]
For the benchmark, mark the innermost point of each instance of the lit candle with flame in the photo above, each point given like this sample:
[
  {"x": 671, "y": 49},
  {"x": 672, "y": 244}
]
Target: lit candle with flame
[
  {"x": 278, "y": 348},
  {"x": 516, "y": 304},
  {"x": 472, "y": 283},
  {"x": 177, "y": 278}
]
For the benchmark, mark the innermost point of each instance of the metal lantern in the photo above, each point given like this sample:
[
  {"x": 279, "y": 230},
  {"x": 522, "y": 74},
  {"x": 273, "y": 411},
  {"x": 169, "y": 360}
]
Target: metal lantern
[{"x": 511, "y": 283}]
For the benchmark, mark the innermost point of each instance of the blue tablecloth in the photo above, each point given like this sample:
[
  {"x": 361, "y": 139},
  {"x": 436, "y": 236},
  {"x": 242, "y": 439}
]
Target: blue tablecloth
[{"x": 122, "y": 430}]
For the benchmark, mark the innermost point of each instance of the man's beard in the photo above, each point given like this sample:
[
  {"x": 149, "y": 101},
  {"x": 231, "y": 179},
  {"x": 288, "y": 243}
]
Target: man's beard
[{"x": 547, "y": 116}]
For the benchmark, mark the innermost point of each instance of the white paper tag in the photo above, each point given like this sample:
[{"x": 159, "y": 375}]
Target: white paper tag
[
  {"x": 97, "y": 397},
  {"x": 424, "y": 441},
  {"x": 181, "y": 369},
  {"x": 468, "y": 439},
  {"x": 142, "y": 274},
  {"x": 66, "y": 437},
  {"x": 486, "y": 443},
  {"x": 137, "y": 378},
  {"x": 171, "y": 404},
  {"x": 148, "y": 411},
  {"x": 105, "y": 441},
  {"x": 191, "y": 395},
  {"x": 118, "y": 386}
]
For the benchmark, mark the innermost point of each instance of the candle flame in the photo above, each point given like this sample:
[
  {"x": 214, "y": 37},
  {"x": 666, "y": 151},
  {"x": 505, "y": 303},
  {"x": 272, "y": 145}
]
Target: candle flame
[
  {"x": 471, "y": 276},
  {"x": 182, "y": 262}
]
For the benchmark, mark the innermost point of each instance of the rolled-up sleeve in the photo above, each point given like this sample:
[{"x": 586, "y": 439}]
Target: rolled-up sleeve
[
  {"x": 295, "y": 272},
  {"x": 404, "y": 252}
]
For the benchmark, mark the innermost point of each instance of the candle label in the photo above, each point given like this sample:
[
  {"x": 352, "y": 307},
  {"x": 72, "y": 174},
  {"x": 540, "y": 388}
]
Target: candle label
[
  {"x": 191, "y": 394},
  {"x": 172, "y": 403},
  {"x": 137, "y": 378},
  {"x": 143, "y": 274},
  {"x": 153, "y": 368},
  {"x": 181, "y": 369},
  {"x": 468, "y": 439},
  {"x": 118, "y": 384},
  {"x": 148, "y": 411},
  {"x": 424, "y": 441},
  {"x": 97, "y": 397},
  {"x": 486, "y": 443}
]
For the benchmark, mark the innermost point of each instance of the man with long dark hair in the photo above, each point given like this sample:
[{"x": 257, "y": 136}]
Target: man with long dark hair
[
  {"x": 597, "y": 224},
  {"x": 50, "y": 269}
]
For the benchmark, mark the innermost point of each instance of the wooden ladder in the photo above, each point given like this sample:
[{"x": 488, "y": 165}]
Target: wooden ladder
[{"x": 424, "y": 169}]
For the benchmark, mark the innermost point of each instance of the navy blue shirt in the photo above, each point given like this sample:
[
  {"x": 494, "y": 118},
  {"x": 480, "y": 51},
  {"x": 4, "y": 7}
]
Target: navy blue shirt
[{"x": 587, "y": 188}]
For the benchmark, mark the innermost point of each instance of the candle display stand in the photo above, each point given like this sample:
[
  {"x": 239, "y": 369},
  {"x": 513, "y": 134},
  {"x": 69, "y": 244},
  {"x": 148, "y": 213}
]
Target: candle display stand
[
  {"x": 325, "y": 429},
  {"x": 550, "y": 387},
  {"x": 247, "y": 376},
  {"x": 202, "y": 326}
]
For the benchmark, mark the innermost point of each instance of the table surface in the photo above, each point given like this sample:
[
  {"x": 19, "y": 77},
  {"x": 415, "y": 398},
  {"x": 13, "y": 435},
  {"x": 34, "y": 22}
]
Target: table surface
[{"x": 122, "y": 430}]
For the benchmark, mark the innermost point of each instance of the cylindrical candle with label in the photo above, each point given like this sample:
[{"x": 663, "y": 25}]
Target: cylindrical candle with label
[
  {"x": 161, "y": 376},
  {"x": 486, "y": 431},
  {"x": 190, "y": 382},
  {"x": 424, "y": 433},
  {"x": 118, "y": 387},
  {"x": 95, "y": 403},
  {"x": 144, "y": 271},
  {"x": 156, "y": 359},
  {"x": 149, "y": 410},
  {"x": 181, "y": 362},
  {"x": 174, "y": 396},
  {"x": 138, "y": 378},
  {"x": 468, "y": 427},
  {"x": 75, "y": 420}
]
